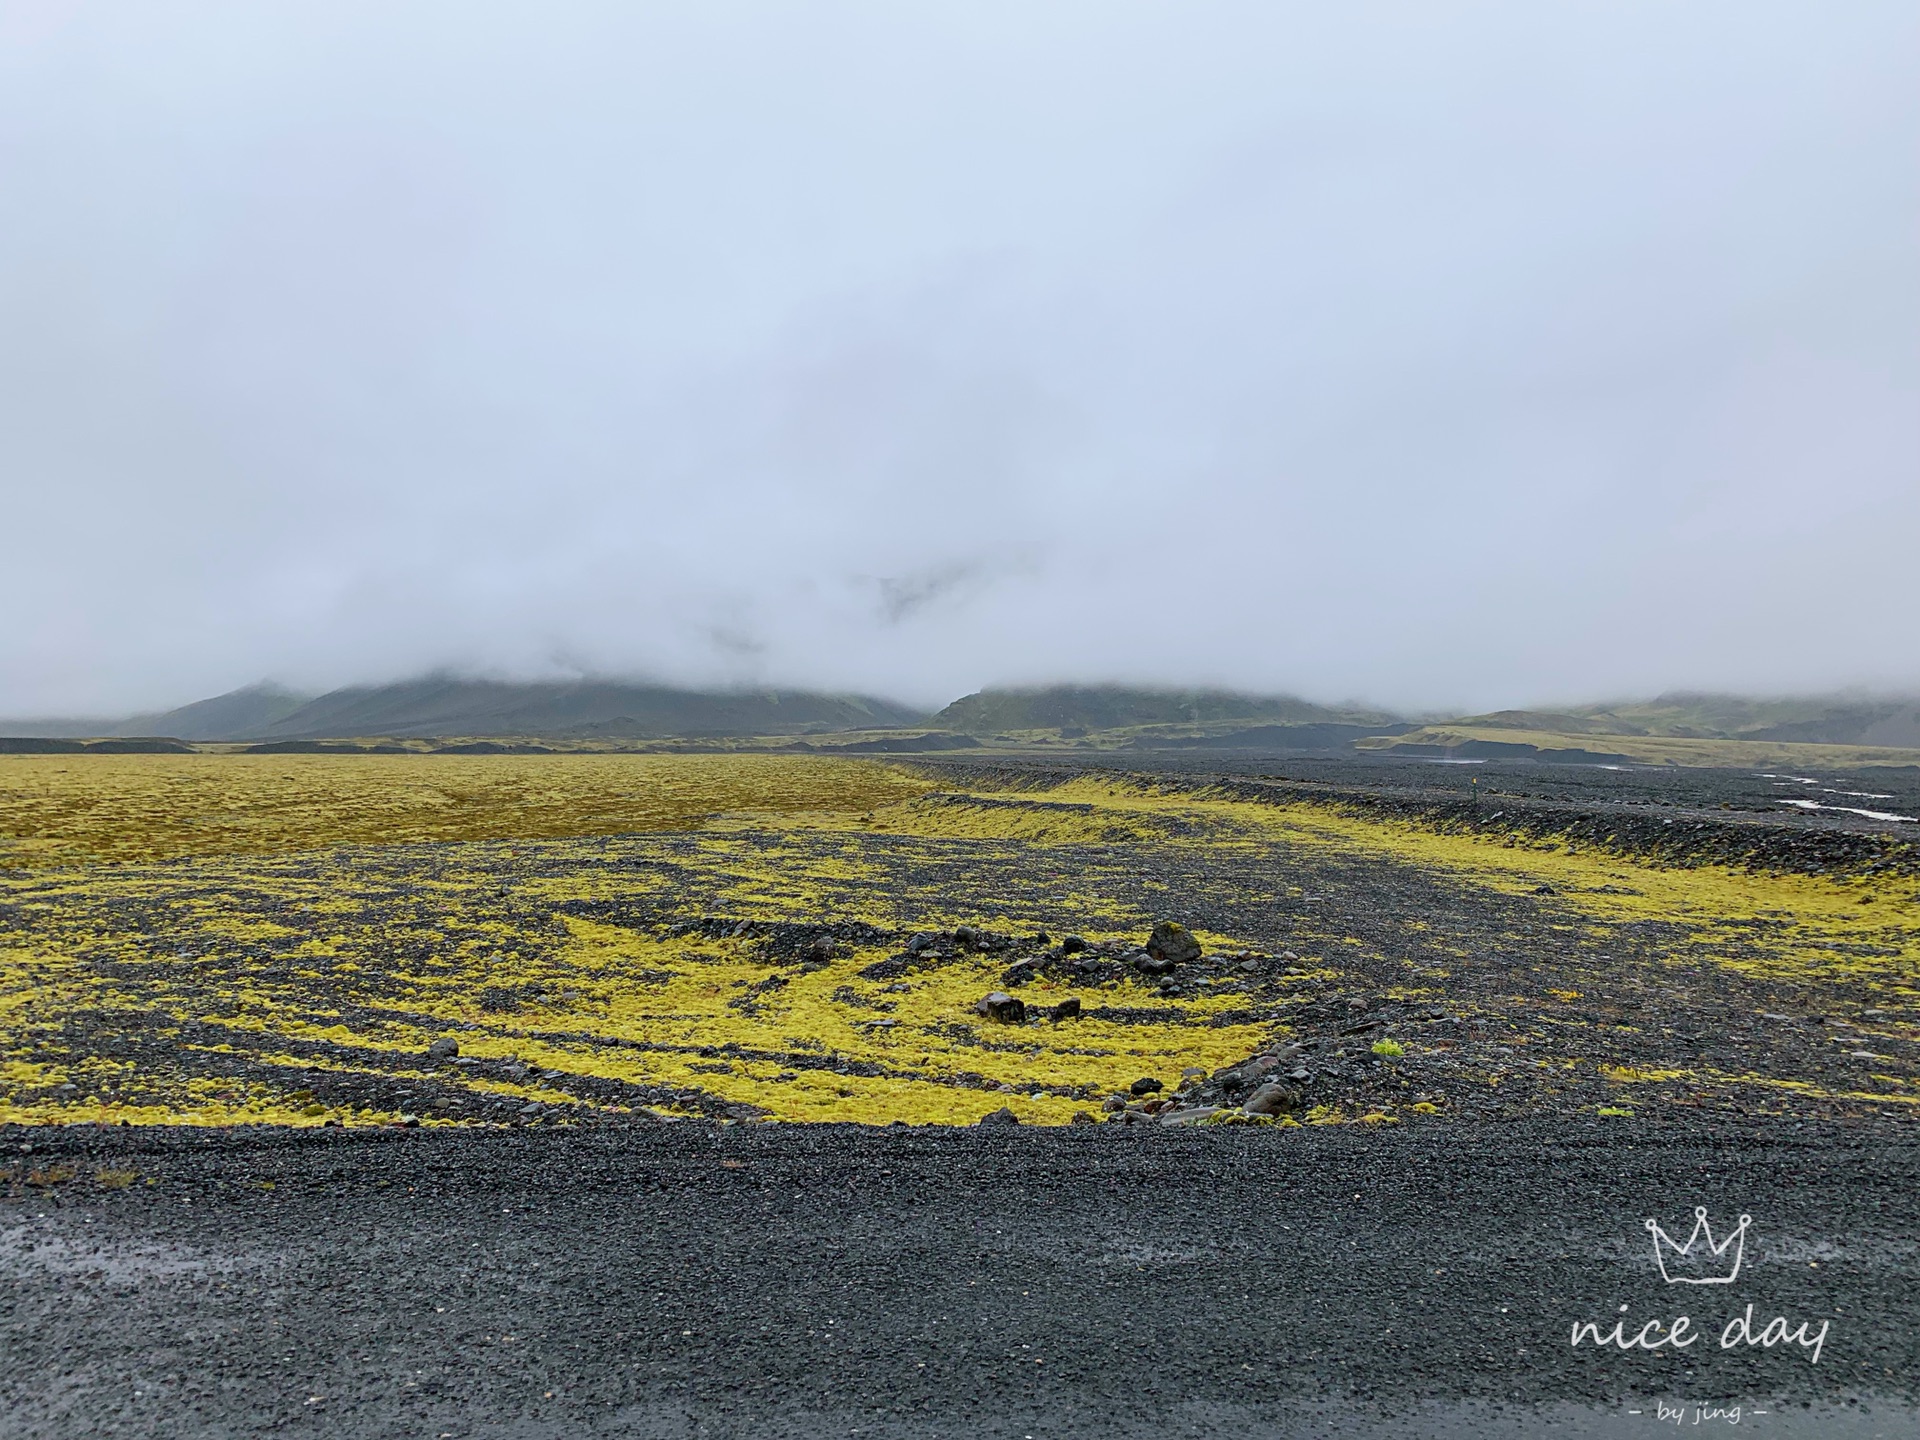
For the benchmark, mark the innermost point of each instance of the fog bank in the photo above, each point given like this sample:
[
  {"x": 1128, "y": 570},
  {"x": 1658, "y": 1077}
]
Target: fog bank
[{"x": 1445, "y": 357}]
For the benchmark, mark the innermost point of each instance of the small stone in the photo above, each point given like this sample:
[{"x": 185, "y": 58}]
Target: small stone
[
  {"x": 1172, "y": 942},
  {"x": 1081, "y": 1117},
  {"x": 443, "y": 1049},
  {"x": 1272, "y": 1098},
  {"x": 1067, "y": 1009},
  {"x": 1002, "y": 1007},
  {"x": 1543, "y": 890},
  {"x": 1148, "y": 964},
  {"x": 821, "y": 948},
  {"x": 963, "y": 935},
  {"x": 1072, "y": 945},
  {"x": 1247, "y": 1071},
  {"x": 1113, "y": 1103},
  {"x": 1002, "y": 1116},
  {"x": 1145, "y": 1085},
  {"x": 1191, "y": 1116}
]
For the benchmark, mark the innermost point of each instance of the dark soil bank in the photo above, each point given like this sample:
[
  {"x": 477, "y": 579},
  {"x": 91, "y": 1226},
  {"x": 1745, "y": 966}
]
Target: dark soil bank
[{"x": 696, "y": 1280}]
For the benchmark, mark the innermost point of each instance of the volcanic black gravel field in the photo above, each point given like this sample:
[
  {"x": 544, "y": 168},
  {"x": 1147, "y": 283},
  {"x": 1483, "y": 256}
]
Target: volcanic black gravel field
[
  {"x": 1842, "y": 820},
  {"x": 1744, "y": 792},
  {"x": 1420, "y": 1277},
  {"x": 698, "y": 1279}
]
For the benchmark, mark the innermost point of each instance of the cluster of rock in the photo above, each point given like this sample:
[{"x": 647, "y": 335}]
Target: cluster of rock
[
  {"x": 1171, "y": 956},
  {"x": 1257, "y": 1090},
  {"x": 929, "y": 949},
  {"x": 1333, "y": 1055},
  {"x": 1007, "y": 1009}
]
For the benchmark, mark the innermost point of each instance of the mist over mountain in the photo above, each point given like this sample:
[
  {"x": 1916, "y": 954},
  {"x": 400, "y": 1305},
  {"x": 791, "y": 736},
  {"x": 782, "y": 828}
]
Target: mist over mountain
[
  {"x": 445, "y": 706},
  {"x": 1446, "y": 356}
]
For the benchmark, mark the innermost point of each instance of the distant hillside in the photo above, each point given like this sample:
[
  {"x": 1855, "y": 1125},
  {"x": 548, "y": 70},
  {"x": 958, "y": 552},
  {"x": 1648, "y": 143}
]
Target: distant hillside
[
  {"x": 1110, "y": 707},
  {"x": 132, "y": 745},
  {"x": 234, "y": 716},
  {"x": 1826, "y": 720},
  {"x": 443, "y": 705},
  {"x": 1084, "y": 716}
]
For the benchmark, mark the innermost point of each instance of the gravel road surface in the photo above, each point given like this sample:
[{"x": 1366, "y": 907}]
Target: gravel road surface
[{"x": 700, "y": 1280}]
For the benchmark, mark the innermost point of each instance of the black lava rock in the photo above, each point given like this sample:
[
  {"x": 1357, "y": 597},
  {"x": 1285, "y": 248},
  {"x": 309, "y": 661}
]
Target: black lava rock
[
  {"x": 1172, "y": 942},
  {"x": 1002, "y": 1007}
]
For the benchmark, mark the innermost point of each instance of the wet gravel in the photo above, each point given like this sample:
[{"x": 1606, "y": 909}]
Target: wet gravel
[
  {"x": 1724, "y": 792},
  {"x": 753, "y": 1280},
  {"x": 1810, "y": 823}
]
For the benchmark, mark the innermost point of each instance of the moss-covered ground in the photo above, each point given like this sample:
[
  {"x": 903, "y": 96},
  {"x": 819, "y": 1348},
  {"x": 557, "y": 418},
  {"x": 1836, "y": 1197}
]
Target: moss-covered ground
[{"x": 228, "y": 939}]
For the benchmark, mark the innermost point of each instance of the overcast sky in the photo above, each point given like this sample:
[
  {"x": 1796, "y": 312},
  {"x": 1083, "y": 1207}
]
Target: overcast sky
[{"x": 1440, "y": 355}]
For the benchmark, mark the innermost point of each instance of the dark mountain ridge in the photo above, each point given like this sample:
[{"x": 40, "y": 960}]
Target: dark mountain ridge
[
  {"x": 1818, "y": 720},
  {"x": 239, "y": 713},
  {"x": 442, "y": 706},
  {"x": 449, "y": 705}
]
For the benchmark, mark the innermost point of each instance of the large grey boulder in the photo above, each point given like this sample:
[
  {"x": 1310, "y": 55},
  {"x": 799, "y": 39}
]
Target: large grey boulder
[
  {"x": 1273, "y": 1098},
  {"x": 1174, "y": 942}
]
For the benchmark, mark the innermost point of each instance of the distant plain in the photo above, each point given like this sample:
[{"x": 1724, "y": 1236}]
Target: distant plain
[{"x": 231, "y": 938}]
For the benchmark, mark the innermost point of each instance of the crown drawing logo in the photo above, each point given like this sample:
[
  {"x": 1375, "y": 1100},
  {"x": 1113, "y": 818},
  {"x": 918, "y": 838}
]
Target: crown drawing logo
[{"x": 1702, "y": 1260}]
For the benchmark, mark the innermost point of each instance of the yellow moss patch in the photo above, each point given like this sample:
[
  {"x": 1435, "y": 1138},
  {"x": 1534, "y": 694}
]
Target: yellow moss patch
[
  {"x": 59, "y": 809},
  {"x": 260, "y": 935}
]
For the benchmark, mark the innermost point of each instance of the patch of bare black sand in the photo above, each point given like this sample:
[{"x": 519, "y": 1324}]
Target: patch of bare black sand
[
  {"x": 1672, "y": 814},
  {"x": 1711, "y": 790},
  {"x": 774, "y": 1280}
]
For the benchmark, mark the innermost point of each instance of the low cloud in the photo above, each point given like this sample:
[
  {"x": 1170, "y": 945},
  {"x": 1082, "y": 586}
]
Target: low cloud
[{"x": 1450, "y": 358}]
